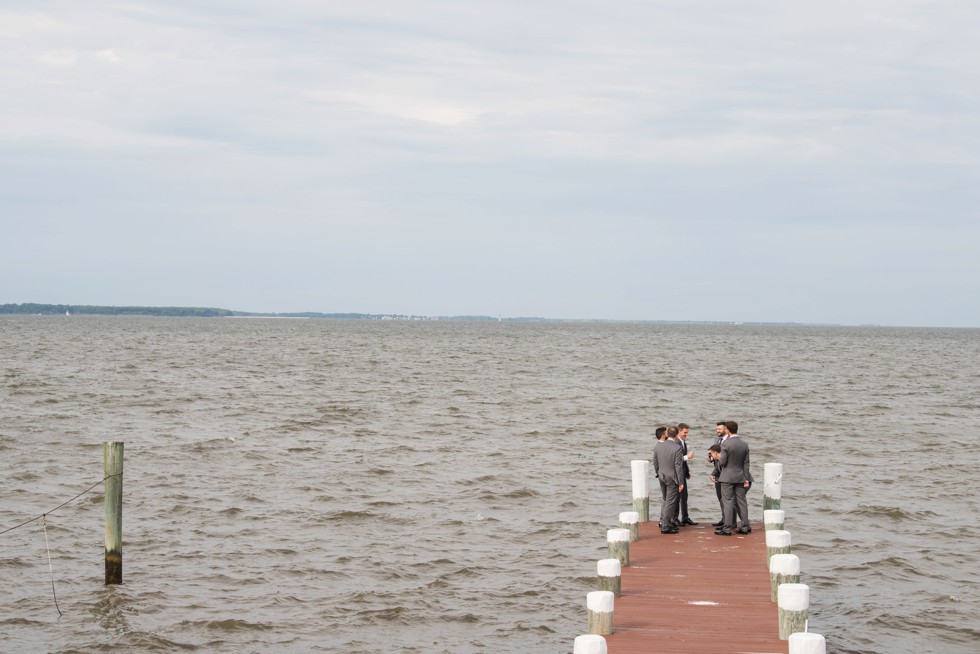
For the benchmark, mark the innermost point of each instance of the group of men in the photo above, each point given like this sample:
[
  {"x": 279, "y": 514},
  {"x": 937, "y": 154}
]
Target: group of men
[{"x": 730, "y": 475}]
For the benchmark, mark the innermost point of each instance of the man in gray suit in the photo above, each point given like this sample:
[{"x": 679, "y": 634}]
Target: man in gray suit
[
  {"x": 685, "y": 517},
  {"x": 668, "y": 465},
  {"x": 720, "y": 434},
  {"x": 735, "y": 478},
  {"x": 661, "y": 434}
]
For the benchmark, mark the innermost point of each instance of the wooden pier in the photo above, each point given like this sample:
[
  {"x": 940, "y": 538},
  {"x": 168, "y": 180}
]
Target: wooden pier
[{"x": 695, "y": 592}]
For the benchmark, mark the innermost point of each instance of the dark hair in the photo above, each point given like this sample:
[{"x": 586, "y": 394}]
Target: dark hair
[
  {"x": 720, "y": 422},
  {"x": 660, "y": 432},
  {"x": 682, "y": 426},
  {"x": 671, "y": 431},
  {"x": 715, "y": 448},
  {"x": 731, "y": 426}
]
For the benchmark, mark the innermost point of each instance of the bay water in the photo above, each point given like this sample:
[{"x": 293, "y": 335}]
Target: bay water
[{"x": 441, "y": 486}]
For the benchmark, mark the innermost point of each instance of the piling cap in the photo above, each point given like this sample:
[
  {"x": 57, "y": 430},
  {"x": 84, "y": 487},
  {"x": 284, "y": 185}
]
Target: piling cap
[
  {"x": 629, "y": 517},
  {"x": 807, "y": 642},
  {"x": 600, "y": 601},
  {"x": 617, "y": 535},
  {"x": 590, "y": 644},
  {"x": 778, "y": 538},
  {"x": 793, "y": 597},
  {"x": 784, "y": 564},
  {"x": 609, "y": 568}
]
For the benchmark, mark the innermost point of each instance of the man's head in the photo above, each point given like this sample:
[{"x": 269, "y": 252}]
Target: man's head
[
  {"x": 720, "y": 429},
  {"x": 671, "y": 432},
  {"x": 715, "y": 451},
  {"x": 731, "y": 426},
  {"x": 661, "y": 433},
  {"x": 682, "y": 430}
]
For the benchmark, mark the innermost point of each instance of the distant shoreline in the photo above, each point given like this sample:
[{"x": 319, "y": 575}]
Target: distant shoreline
[{"x": 38, "y": 309}]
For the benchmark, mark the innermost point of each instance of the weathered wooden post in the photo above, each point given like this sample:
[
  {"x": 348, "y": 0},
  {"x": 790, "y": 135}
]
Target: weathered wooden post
[
  {"x": 641, "y": 491},
  {"x": 600, "y": 605},
  {"x": 112, "y": 458},
  {"x": 610, "y": 576},
  {"x": 777, "y": 542},
  {"x": 772, "y": 486},
  {"x": 590, "y": 644},
  {"x": 807, "y": 642},
  {"x": 618, "y": 541},
  {"x": 783, "y": 569},
  {"x": 794, "y": 603},
  {"x": 775, "y": 519},
  {"x": 630, "y": 520}
]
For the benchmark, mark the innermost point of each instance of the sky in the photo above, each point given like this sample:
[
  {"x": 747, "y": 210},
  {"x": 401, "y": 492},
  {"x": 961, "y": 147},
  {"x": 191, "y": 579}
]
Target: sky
[{"x": 730, "y": 160}]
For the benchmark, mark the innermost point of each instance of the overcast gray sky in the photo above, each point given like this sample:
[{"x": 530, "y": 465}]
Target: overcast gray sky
[{"x": 681, "y": 160}]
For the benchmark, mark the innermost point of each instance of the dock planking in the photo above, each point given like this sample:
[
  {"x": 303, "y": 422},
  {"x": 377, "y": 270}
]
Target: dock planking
[{"x": 696, "y": 592}]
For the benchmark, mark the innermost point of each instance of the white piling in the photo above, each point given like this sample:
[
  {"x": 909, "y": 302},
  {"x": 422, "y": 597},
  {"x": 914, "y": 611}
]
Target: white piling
[
  {"x": 794, "y": 604},
  {"x": 590, "y": 644},
  {"x": 641, "y": 491},
  {"x": 783, "y": 569},
  {"x": 631, "y": 520},
  {"x": 806, "y": 642},
  {"x": 774, "y": 519},
  {"x": 772, "y": 486},
  {"x": 619, "y": 545},
  {"x": 610, "y": 575},
  {"x": 600, "y": 605},
  {"x": 778, "y": 541}
]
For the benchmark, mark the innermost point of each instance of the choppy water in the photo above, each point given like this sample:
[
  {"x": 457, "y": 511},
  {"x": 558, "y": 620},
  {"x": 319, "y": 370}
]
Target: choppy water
[{"x": 334, "y": 486}]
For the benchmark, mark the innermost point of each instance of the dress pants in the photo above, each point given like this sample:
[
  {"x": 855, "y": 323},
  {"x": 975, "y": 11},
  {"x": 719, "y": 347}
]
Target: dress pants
[
  {"x": 668, "y": 510},
  {"x": 733, "y": 496},
  {"x": 682, "y": 502}
]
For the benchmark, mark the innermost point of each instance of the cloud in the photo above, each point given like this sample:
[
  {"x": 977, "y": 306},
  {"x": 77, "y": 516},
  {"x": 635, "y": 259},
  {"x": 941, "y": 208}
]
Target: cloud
[{"x": 538, "y": 142}]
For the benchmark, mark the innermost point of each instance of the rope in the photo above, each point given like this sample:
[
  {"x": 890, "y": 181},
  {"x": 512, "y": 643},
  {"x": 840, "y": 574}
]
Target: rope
[
  {"x": 44, "y": 524},
  {"x": 41, "y": 517}
]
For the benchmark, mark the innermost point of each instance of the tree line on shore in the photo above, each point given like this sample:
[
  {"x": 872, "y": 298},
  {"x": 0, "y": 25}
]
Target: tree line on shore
[
  {"x": 36, "y": 309},
  {"x": 82, "y": 309}
]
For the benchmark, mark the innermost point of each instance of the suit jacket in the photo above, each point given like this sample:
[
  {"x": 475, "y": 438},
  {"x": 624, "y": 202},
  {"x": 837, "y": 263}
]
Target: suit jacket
[
  {"x": 734, "y": 461},
  {"x": 668, "y": 462}
]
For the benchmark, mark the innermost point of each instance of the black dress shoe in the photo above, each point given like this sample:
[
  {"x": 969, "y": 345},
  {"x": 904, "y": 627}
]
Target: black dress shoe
[
  {"x": 669, "y": 531},
  {"x": 744, "y": 530},
  {"x": 688, "y": 521},
  {"x": 723, "y": 532},
  {"x": 720, "y": 523}
]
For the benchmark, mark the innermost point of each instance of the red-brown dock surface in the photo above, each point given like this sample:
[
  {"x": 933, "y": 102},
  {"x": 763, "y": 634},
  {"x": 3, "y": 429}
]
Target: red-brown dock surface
[{"x": 694, "y": 593}]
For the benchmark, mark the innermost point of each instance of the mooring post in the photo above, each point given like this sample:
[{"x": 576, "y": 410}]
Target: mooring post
[
  {"x": 775, "y": 519},
  {"x": 600, "y": 608},
  {"x": 640, "y": 469},
  {"x": 618, "y": 541},
  {"x": 610, "y": 576},
  {"x": 778, "y": 541},
  {"x": 783, "y": 569},
  {"x": 793, "y": 602},
  {"x": 630, "y": 520},
  {"x": 112, "y": 457},
  {"x": 772, "y": 486}
]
